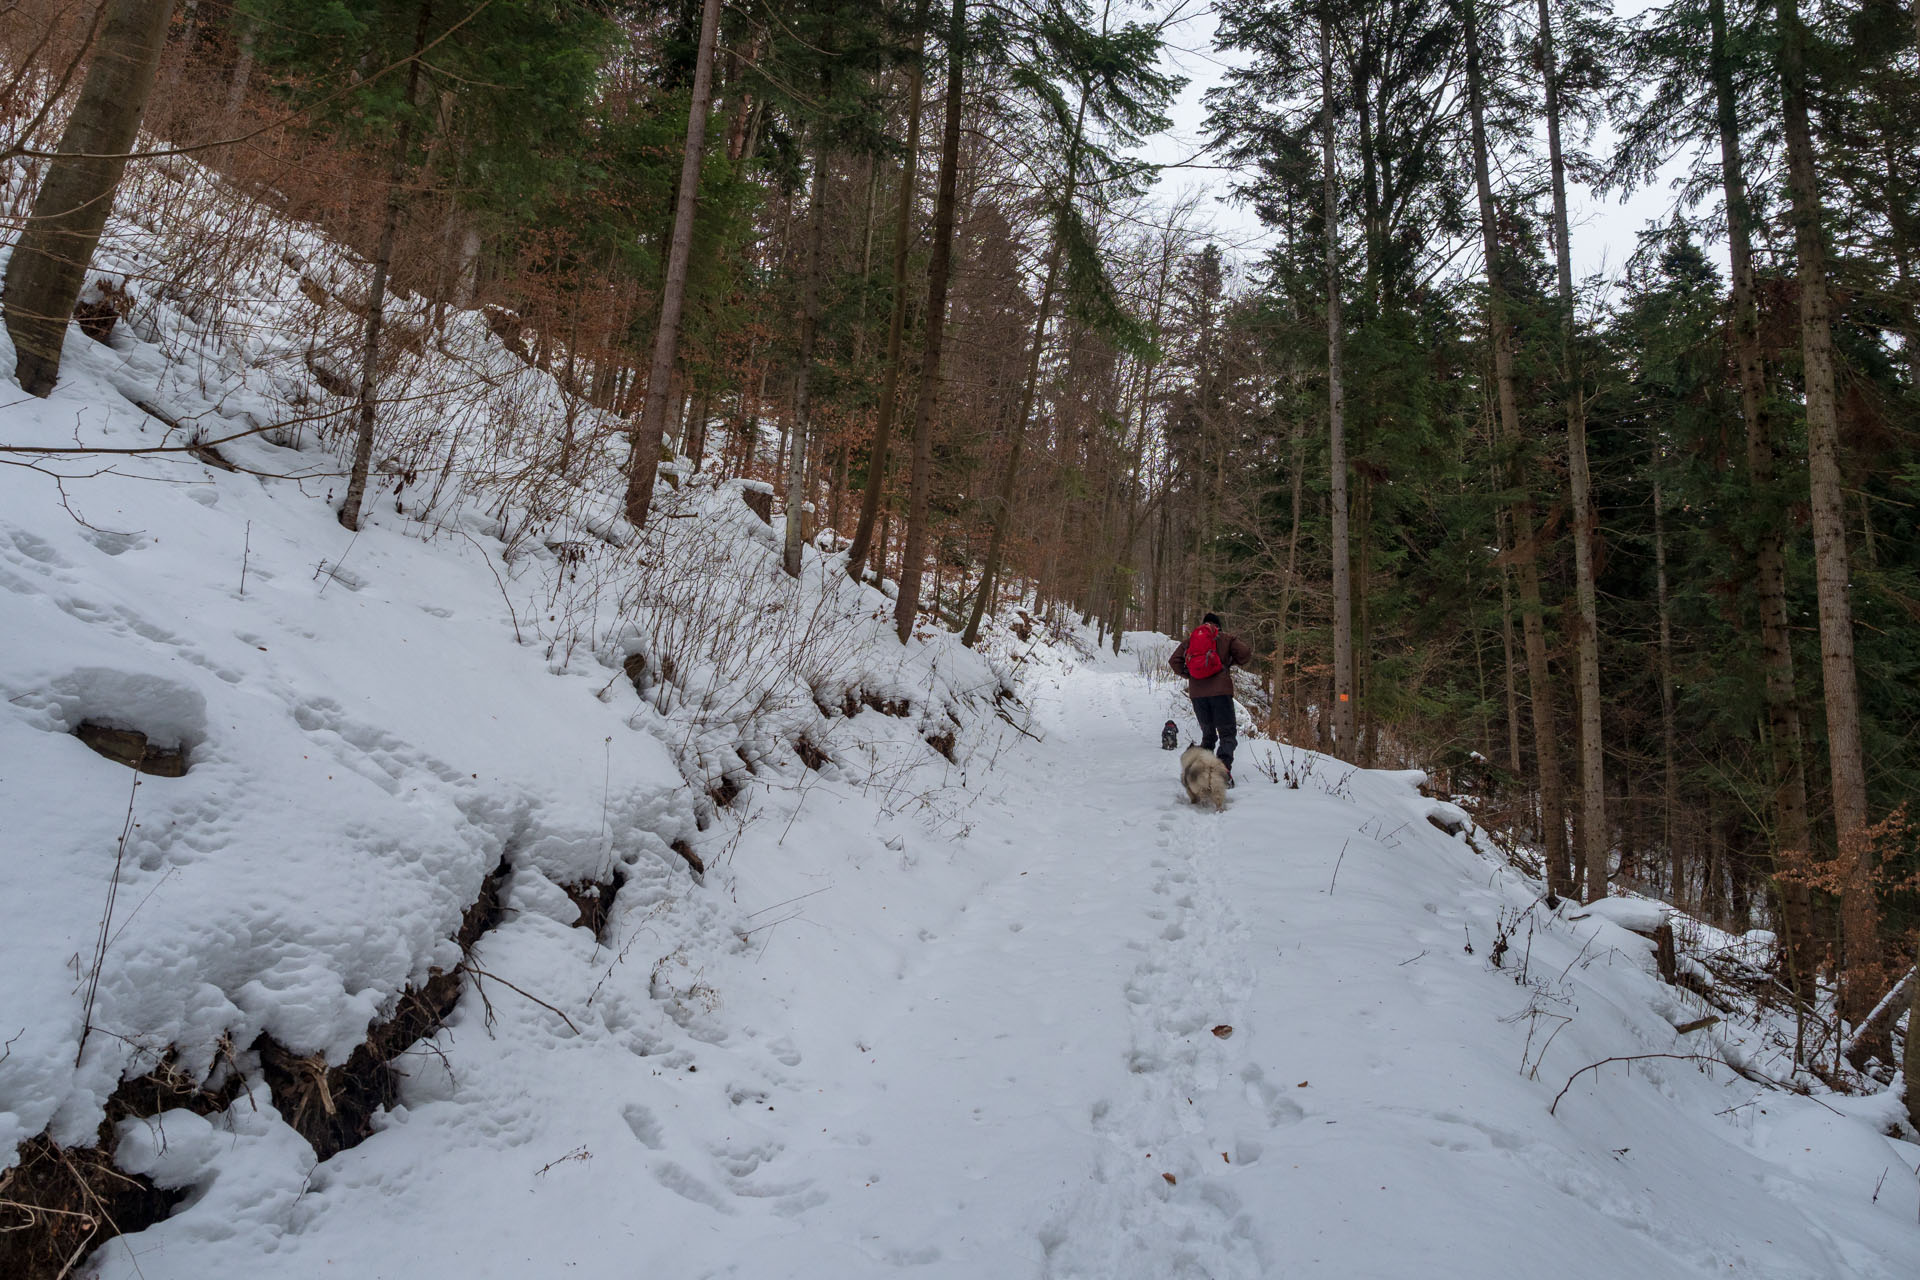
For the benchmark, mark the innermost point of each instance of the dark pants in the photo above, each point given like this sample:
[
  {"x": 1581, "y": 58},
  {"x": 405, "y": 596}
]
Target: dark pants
[{"x": 1215, "y": 715}]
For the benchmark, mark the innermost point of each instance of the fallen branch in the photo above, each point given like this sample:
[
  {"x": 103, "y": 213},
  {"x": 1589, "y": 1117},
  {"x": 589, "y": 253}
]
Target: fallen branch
[
  {"x": 1745, "y": 1072},
  {"x": 482, "y": 973},
  {"x": 1632, "y": 1057},
  {"x": 1002, "y": 713},
  {"x": 488, "y": 561},
  {"x": 1866, "y": 1023}
]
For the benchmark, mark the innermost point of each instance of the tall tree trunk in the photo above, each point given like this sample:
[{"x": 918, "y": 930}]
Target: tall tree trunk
[
  {"x": 939, "y": 268},
  {"x": 897, "y": 320},
  {"x": 1546, "y": 750},
  {"x": 1343, "y": 709},
  {"x": 696, "y": 446},
  {"x": 242, "y": 66},
  {"x": 1859, "y": 921},
  {"x": 797, "y": 486},
  {"x": 1003, "y": 500},
  {"x": 1785, "y": 748},
  {"x": 50, "y": 261},
  {"x": 1514, "y": 761},
  {"x": 397, "y": 178},
  {"x": 1668, "y": 754},
  {"x": 1593, "y": 781},
  {"x": 1911, "y": 1065},
  {"x": 1296, "y": 483},
  {"x": 643, "y": 464}
]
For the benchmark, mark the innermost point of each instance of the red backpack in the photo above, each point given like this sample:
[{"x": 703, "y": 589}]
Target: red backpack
[{"x": 1203, "y": 659}]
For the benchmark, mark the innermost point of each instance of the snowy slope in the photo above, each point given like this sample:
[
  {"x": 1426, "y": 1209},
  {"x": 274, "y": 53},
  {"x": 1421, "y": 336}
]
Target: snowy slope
[{"x": 979, "y": 995}]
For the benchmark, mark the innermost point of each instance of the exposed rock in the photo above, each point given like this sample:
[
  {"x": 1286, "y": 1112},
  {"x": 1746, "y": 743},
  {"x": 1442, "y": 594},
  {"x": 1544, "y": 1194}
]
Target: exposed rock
[{"x": 131, "y": 748}]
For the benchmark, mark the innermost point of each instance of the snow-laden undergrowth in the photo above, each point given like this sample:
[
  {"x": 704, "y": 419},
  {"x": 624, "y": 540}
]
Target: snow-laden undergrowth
[{"x": 966, "y": 989}]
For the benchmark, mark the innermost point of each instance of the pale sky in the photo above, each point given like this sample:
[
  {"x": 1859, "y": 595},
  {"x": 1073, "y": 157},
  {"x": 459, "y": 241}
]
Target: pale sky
[{"x": 1603, "y": 232}]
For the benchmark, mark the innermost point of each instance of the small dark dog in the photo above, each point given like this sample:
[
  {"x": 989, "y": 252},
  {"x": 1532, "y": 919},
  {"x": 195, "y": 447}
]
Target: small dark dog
[{"x": 1170, "y": 736}]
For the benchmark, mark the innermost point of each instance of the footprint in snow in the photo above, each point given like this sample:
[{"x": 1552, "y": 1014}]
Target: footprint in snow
[
  {"x": 645, "y": 1126},
  {"x": 684, "y": 1184}
]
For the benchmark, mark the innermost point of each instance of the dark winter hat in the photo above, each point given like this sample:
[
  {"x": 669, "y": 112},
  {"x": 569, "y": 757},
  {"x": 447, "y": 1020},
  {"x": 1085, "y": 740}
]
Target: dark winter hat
[{"x": 1213, "y": 618}]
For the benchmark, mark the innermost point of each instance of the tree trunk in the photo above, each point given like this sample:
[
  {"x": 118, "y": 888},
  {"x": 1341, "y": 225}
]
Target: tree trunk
[
  {"x": 1003, "y": 502},
  {"x": 1003, "y": 499},
  {"x": 939, "y": 268},
  {"x": 1785, "y": 748},
  {"x": 643, "y": 464},
  {"x": 1343, "y": 708},
  {"x": 50, "y": 260},
  {"x": 1858, "y": 914},
  {"x": 696, "y": 447},
  {"x": 809, "y": 329},
  {"x": 1593, "y": 781},
  {"x": 897, "y": 320},
  {"x": 1290, "y": 582},
  {"x": 1911, "y": 1065},
  {"x": 1668, "y": 753},
  {"x": 377, "y": 291},
  {"x": 242, "y": 67},
  {"x": 1546, "y": 749}
]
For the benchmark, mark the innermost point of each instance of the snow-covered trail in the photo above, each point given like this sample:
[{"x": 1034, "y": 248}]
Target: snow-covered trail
[
  {"x": 1036, "y": 1089},
  {"x": 1027, "y": 1078},
  {"x": 980, "y": 1044}
]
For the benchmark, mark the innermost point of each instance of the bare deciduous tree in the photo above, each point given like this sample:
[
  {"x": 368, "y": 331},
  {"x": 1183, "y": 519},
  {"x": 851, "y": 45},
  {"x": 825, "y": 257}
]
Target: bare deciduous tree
[{"x": 49, "y": 264}]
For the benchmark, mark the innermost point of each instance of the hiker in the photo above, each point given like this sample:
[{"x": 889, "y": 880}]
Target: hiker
[{"x": 1207, "y": 658}]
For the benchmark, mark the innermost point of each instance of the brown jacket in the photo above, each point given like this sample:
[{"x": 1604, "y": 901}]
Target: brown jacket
[{"x": 1233, "y": 653}]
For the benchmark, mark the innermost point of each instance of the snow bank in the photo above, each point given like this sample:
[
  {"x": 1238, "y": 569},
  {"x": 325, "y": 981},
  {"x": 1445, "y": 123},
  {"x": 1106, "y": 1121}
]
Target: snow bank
[
  {"x": 372, "y": 722},
  {"x": 1641, "y": 915}
]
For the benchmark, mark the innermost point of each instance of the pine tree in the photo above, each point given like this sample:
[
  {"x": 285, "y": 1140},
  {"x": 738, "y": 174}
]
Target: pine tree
[
  {"x": 1520, "y": 517},
  {"x": 1593, "y": 788},
  {"x": 1340, "y": 537},
  {"x": 1846, "y": 758}
]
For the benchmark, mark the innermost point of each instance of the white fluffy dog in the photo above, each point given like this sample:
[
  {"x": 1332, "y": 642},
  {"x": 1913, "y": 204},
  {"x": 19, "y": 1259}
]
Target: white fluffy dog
[{"x": 1204, "y": 777}]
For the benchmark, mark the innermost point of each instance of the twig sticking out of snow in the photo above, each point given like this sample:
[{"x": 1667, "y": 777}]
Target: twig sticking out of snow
[
  {"x": 1336, "y": 867},
  {"x": 106, "y": 924},
  {"x": 479, "y": 973}
]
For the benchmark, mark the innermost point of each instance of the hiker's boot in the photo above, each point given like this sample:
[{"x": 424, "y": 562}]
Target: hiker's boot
[{"x": 1229, "y": 776}]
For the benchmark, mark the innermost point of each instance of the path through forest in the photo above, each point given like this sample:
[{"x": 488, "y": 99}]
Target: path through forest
[{"x": 1042, "y": 1089}]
